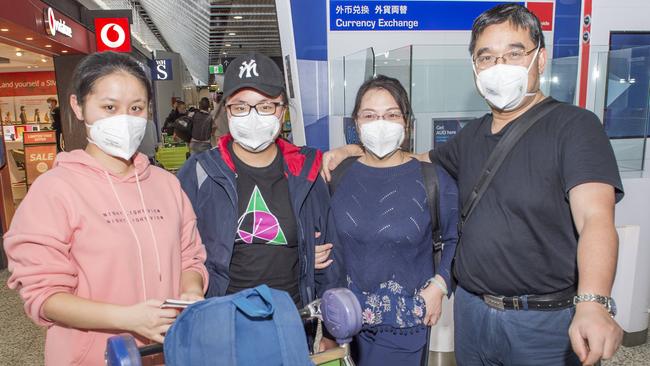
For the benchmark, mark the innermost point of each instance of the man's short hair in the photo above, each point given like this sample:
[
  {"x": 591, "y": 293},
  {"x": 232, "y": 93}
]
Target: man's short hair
[
  {"x": 204, "y": 104},
  {"x": 516, "y": 14}
]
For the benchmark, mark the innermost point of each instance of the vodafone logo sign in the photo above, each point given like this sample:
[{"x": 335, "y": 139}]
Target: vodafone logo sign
[
  {"x": 54, "y": 26},
  {"x": 121, "y": 36},
  {"x": 113, "y": 34}
]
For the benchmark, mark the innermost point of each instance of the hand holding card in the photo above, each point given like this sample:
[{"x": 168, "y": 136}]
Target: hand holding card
[{"x": 176, "y": 304}]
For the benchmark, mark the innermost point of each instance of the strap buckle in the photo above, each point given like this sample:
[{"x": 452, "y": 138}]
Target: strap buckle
[{"x": 495, "y": 302}]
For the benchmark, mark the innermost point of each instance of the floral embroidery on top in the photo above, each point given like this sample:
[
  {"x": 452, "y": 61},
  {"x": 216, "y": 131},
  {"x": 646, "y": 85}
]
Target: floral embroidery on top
[{"x": 390, "y": 305}]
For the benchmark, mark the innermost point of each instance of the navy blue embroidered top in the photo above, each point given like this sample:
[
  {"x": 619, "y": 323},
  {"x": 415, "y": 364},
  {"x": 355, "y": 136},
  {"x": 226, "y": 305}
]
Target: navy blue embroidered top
[{"x": 384, "y": 227}]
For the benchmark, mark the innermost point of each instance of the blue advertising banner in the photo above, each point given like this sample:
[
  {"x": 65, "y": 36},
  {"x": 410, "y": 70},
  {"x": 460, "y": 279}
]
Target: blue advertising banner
[
  {"x": 162, "y": 69},
  {"x": 444, "y": 129},
  {"x": 407, "y": 15}
]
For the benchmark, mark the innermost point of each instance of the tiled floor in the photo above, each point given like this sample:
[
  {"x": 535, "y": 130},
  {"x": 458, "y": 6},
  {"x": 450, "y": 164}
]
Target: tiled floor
[{"x": 21, "y": 342}]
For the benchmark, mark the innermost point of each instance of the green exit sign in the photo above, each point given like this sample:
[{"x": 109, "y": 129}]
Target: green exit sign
[{"x": 216, "y": 69}]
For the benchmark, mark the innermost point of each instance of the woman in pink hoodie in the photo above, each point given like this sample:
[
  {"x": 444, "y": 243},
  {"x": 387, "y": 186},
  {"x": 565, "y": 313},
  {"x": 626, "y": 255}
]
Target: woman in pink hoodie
[{"x": 103, "y": 238}]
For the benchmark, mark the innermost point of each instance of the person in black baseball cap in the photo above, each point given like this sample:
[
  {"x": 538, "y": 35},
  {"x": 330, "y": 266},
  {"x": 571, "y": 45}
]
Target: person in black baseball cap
[
  {"x": 259, "y": 199},
  {"x": 256, "y": 71},
  {"x": 255, "y": 100}
]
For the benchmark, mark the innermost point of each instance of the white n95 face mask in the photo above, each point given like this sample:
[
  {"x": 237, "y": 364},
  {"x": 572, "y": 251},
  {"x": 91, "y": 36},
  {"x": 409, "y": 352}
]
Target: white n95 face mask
[
  {"x": 504, "y": 86},
  {"x": 118, "y": 136},
  {"x": 382, "y": 137},
  {"x": 254, "y": 132}
]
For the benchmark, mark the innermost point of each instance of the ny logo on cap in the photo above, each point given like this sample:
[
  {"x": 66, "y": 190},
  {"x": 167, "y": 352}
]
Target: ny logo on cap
[{"x": 248, "y": 67}]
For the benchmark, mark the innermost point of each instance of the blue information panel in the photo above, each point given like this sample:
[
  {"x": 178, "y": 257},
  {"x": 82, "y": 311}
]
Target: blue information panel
[
  {"x": 444, "y": 129},
  {"x": 409, "y": 15}
]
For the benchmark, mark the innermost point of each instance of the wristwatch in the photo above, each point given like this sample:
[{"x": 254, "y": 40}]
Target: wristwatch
[{"x": 606, "y": 301}]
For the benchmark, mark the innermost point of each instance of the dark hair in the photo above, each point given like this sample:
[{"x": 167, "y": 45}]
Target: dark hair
[
  {"x": 391, "y": 85},
  {"x": 97, "y": 65},
  {"x": 516, "y": 14},
  {"x": 204, "y": 104}
]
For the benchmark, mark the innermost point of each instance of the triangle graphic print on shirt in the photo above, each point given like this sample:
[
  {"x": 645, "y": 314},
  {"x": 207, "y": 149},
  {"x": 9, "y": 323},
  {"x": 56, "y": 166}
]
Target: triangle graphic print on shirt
[{"x": 259, "y": 223}]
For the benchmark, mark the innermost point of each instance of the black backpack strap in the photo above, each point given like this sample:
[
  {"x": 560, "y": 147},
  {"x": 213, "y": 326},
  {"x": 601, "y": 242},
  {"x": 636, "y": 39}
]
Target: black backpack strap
[
  {"x": 339, "y": 172},
  {"x": 432, "y": 188},
  {"x": 496, "y": 158}
]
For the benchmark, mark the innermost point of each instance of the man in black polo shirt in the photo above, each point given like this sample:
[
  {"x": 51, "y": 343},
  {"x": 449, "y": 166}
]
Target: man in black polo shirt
[{"x": 542, "y": 237}]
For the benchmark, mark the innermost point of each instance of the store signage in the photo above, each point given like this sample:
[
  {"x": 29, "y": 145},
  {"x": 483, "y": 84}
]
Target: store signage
[
  {"x": 216, "y": 69},
  {"x": 544, "y": 12},
  {"x": 407, "y": 15},
  {"x": 162, "y": 69},
  {"x": 113, "y": 34},
  {"x": 54, "y": 26},
  {"x": 41, "y": 137},
  {"x": 40, "y": 153},
  {"x": 27, "y": 83}
]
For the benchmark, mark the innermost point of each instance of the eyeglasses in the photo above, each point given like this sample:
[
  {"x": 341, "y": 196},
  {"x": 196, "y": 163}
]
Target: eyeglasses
[
  {"x": 263, "y": 109},
  {"x": 515, "y": 57},
  {"x": 393, "y": 116}
]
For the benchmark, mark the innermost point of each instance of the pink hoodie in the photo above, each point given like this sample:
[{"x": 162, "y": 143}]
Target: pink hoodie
[{"x": 70, "y": 235}]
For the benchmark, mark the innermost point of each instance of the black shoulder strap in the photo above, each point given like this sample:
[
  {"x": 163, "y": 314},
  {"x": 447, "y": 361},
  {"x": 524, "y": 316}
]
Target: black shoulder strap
[
  {"x": 496, "y": 158},
  {"x": 339, "y": 172},
  {"x": 433, "y": 198}
]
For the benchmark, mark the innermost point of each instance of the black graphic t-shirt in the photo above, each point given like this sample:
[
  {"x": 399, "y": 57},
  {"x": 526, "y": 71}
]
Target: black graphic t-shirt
[{"x": 266, "y": 245}]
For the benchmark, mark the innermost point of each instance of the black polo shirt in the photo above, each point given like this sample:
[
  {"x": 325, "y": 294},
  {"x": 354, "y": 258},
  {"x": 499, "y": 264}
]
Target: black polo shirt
[{"x": 520, "y": 239}]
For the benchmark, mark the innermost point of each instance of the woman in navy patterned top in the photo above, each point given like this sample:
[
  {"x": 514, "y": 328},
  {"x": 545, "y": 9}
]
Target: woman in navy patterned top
[{"x": 384, "y": 225}]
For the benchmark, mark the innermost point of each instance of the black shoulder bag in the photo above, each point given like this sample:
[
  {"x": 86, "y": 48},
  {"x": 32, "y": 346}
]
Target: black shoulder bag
[{"x": 496, "y": 158}]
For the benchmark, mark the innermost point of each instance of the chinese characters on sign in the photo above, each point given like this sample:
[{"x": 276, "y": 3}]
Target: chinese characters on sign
[
  {"x": 365, "y": 9},
  {"x": 406, "y": 15}
]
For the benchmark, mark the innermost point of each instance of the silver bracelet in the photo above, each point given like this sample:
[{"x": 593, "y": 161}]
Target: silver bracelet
[{"x": 441, "y": 286}]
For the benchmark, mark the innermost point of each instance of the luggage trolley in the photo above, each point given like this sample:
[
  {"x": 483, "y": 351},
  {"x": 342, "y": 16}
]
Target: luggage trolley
[{"x": 338, "y": 309}]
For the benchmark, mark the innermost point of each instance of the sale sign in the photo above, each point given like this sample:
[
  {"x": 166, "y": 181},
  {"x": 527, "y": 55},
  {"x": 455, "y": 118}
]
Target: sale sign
[
  {"x": 38, "y": 160},
  {"x": 113, "y": 34},
  {"x": 43, "y": 137},
  {"x": 40, "y": 152}
]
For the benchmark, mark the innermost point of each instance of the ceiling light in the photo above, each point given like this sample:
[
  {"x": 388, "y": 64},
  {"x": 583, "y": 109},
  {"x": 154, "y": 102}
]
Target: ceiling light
[
  {"x": 48, "y": 46},
  {"x": 64, "y": 51},
  {"x": 227, "y": 44},
  {"x": 43, "y": 60},
  {"x": 232, "y": 34},
  {"x": 238, "y": 17},
  {"x": 4, "y": 30},
  {"x": 29, "y": 38},
  {"x": 19, "y": 53},
  {"x": 29, "y": 67},
  {"x": 225, "y": 53},
  {"x": 36, "y": 67}
]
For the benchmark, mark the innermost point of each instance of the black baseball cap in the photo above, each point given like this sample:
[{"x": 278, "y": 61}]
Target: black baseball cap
[{"x": 253, "y": 70}]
